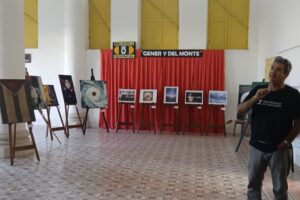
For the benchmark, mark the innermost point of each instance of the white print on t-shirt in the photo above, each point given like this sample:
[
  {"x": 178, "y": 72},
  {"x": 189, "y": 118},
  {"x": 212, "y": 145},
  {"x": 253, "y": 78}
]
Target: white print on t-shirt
[{"x": 269, "y": 103}]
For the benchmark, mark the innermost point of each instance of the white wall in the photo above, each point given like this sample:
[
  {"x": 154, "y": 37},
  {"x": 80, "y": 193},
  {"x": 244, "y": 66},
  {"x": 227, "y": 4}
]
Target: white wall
[
  {"x": 63, "y": 40},
  {"x": 48, "y": 60},
  {"x": 125, "y": 21},
  {"x": 192, "y": 24},
  {"x": 11, "y": 40}
]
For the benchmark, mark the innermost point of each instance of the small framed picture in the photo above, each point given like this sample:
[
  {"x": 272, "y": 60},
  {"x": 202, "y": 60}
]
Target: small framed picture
[
  {"x": 217, "y": 97},
  {"x": 126, "y": 95},
  {"x": 194, "y": 97},
  {"x": 171, "y": 95},
  {"x": 148, "y": 95}
]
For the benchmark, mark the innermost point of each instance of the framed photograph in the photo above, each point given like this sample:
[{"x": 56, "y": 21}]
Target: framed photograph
[
  {"x": 171, "y": 95},
  {"x": 126, "y": 95},
  {"x": 93, "y": 94},
  {"x": 148, "y": 96},
  {"x": 50, "y": 95},
  {"x": 67, "y": 89},
  {"x": 217, "y": 97},
  {"x": 15, "y": 101},
  {"x": 37, "y": 92},
  {"x": 193, "y": 97}
]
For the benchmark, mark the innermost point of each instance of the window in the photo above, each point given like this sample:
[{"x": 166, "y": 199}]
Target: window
[
  {"x": 160, "y": 24},
  {"x": 99, "y": 24},
  {"x": 31, "y": 23},
  {"x": 228, "y": 24}
]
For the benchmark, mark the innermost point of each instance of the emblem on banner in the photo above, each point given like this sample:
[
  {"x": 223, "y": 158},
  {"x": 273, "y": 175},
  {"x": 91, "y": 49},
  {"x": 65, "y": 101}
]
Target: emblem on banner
[{"x": 124, "y": 49}]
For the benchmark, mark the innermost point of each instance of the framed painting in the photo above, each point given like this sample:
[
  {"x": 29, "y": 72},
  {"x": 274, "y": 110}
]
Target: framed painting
[
  {"x": 93, "y": 94},
  {"x": 194, "y": 97},
  {"x": 217, "y": 97},
  {"x": 50, "y": 95},
  {"x": 15, "y": 101},
  {"x": 171, "y": 95},
  {"x": 148, "y": 96},
  {"x": 126, "y": 95},
  {"x": 67, "y": 89},
  {"x": 37, "y": 92}
]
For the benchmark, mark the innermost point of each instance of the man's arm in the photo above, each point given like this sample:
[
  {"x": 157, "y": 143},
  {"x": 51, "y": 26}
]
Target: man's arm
[
  {"x": 291, "y": 136},
  {"x": 294, "y": 132},
  {"x": 247, "y": 105}
]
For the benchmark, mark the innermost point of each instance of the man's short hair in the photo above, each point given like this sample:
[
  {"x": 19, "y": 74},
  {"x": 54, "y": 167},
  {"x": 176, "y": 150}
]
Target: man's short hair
[{"x": 287, "y": 64}]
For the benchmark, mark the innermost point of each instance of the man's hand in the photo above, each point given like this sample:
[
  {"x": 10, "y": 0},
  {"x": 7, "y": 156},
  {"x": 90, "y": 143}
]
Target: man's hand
[
  {"x": 261, "y": 93},
  {"x": 283, "y": 146}
]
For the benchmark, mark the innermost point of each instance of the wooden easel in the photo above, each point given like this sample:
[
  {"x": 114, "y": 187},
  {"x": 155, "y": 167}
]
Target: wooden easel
[
  {"x": 102, "y": 110},
  {"x": 150, "y": 108},
  {"x": 211, "y": 110},
  {"x": 175, "y": 123},
  {"x": 47, "y": 121},
  {"x": 12, "y": 142},
  {"x": 67, "y": 120},
  {"x": 129, "y": 120},
  {"x": 190, "y": 109},
  {"x": 52, "y": 129}
]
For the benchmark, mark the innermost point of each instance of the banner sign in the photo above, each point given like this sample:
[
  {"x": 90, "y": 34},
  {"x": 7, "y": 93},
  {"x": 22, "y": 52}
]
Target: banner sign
[
  {"x": 172, "y": 53},
  {"x": 124, "y": 49}
]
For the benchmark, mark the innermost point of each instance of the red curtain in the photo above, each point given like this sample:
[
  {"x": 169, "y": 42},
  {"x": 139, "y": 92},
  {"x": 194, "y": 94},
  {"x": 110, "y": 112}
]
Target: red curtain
[{"x": 198, "y": 73}]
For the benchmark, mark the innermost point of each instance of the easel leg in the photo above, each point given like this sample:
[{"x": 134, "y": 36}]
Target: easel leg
[
  {"x": 62, "y": 122},
  {"x": 33, "y": 141},
  {"x": 15, "y": 136},
  {"x": 140, "y": 118},
  {"x": 176, "y": 121},
  {"x": 162, "y": 120},
  {"x": 67, "y": 122},
  {"x": 208, "y": 121},
  {"x": 200, "y": 122},
  {"x": 187, "y": 120},
  {"x": 11, "y": 145},
  {"x": 49, "y": 124},
  {"x": 224, "y": 123},
  {"x": 79, "y": 119},
  {"x": 154, "y": 118},
  {"x": 104, "y": 118},
  {"x": 243, "y": 132},
  {"x": 119, "y": 115},
  {"x": 85, "y": 121},
  {"x": 132, "y": 117}
]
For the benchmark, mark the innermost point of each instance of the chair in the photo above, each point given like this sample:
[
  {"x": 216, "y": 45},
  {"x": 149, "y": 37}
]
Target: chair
[{"x": 245, "y": 121}]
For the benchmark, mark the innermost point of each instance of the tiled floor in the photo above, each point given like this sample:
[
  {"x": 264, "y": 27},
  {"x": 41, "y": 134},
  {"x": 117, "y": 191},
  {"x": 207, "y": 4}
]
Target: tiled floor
[{"x": 131, "y": 166}]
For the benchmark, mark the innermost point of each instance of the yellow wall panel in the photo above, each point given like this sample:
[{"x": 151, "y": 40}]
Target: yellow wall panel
[
  {"x": 152, "y": 39},
  {"x": 169, "y": 35},
  {"x": 159, "y": 24},
  {"x": 228, "y": 24},
  {"x": 237, "y": 35},
  {"x": 31, "y": 23},
  {"x": 99, "y": 24}
]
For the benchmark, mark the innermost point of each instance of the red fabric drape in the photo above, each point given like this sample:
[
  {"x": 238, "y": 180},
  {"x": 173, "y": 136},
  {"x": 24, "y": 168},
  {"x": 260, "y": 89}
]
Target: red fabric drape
[{"x": 199, "y": 73}]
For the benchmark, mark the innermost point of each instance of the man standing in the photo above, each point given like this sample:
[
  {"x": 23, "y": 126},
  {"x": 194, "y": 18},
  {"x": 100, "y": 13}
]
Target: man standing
[{"x": 275, "y": 122}]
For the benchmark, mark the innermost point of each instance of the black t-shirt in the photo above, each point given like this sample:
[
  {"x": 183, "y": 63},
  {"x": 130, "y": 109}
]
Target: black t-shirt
[{"x": 272, "y": 117}]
